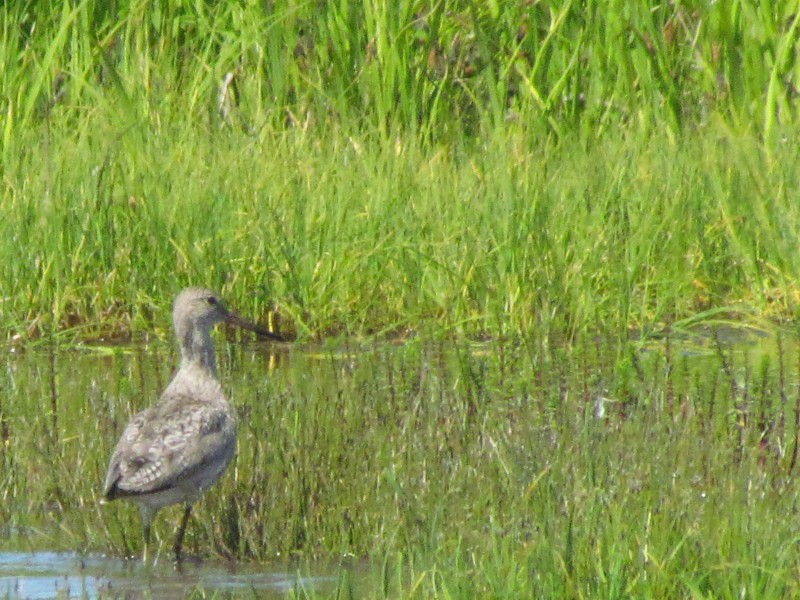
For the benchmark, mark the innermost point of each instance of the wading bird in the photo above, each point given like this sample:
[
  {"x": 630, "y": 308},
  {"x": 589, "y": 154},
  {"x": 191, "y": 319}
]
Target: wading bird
[{"x": 177, "y": 448}]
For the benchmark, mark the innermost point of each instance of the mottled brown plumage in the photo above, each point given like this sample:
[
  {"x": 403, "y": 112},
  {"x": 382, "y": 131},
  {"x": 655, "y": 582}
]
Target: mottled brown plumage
[{"x": 176, "y": 449}]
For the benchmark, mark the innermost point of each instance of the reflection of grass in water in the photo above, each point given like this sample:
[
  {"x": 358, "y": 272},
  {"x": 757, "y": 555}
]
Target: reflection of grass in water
[{"x": 466, "y": 470}]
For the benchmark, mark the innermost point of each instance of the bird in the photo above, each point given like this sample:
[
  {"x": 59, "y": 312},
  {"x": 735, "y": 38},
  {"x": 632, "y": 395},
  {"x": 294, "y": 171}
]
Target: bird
[{"x": 174, "y": 450}]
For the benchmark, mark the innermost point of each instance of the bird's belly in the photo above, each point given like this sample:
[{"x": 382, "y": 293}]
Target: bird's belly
[
  {"x": 191, "y": 486},
  {"x": 157, "y": 500}
]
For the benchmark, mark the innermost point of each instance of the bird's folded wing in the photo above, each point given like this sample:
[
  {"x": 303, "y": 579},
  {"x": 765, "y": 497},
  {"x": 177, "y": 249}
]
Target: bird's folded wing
[{"x": 167, "y": 443}]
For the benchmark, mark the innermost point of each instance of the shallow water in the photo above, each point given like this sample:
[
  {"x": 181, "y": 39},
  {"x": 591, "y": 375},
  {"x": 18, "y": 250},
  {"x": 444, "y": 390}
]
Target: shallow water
[
  {"x": 42, "y": 575},
  {"x": 342, "y": 447}
]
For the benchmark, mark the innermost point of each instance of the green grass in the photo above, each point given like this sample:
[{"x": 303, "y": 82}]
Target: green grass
[
  {"x": 553, "y": 172},
  {"x": 332, "y": 239},
  {"x": 475, "y": 470},
  {"x": 562, "y": 166}
]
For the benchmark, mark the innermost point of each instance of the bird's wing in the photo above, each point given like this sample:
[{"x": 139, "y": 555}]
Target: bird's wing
[{"x": 167, "y": 443}]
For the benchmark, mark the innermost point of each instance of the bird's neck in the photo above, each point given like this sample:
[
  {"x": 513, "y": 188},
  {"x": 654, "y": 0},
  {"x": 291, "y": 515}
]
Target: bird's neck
[{"x": 198, "y": 350}]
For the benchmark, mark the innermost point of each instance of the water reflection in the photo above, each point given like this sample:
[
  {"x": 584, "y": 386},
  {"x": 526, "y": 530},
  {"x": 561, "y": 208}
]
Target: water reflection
[
  {"x": 361, "y": 451},
  {"x": 68, "y": 575}
]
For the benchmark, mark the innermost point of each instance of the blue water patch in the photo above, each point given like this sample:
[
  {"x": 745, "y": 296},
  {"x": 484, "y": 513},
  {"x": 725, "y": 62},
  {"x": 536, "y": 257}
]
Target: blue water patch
[{"x": 43, "y": 575}]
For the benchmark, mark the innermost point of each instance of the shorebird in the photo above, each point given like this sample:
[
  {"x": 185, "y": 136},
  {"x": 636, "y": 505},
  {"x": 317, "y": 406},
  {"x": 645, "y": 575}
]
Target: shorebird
[{"x": 177, "y": 448}]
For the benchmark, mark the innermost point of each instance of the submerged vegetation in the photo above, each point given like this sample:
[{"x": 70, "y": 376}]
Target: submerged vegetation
[
  {"x": 476, "y": 470},
  {"x": 380, "y": 167}
]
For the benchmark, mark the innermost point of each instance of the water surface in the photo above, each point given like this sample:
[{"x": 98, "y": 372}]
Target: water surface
[
  {"x": 42, "y": 575},
  {"x": 385, "y": 449}
]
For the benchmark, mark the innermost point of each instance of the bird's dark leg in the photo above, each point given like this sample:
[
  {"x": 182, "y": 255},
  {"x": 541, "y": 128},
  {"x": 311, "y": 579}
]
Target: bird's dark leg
[
  {"x": 146, "y": 527},
  {"x": 178, "y": 547},
  {"x": 147, "y": 519}
]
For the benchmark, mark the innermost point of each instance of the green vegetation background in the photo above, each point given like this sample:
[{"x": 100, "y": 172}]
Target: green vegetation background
[
  {"x": 485, "y": 168},
  {"x": 376, "y": 167}
]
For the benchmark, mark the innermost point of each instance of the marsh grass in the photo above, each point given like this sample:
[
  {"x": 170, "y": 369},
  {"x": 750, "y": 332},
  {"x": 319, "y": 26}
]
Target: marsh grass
[
  {"x": 320, "y": 237},
  {"x": 500, "y": 469},
  {"x": 447, "y": 171},
  {"x": 374, "y": 169}
]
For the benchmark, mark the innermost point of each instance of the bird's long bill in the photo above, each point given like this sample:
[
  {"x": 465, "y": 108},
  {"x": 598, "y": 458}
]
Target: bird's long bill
[{"x": 262, "y": 331}]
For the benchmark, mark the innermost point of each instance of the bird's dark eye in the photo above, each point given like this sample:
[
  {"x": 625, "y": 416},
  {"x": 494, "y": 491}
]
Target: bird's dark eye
[{"x": 212, "y": 300}]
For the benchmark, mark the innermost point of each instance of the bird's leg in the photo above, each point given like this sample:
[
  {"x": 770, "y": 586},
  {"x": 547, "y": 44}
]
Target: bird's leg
[
  {"x": 147, "y": 519},
  {"x": 178, "y": 547},
  {"x": 146, "y": 527}
]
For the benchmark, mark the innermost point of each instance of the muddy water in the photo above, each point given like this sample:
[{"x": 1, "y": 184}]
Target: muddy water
[{"x": 67, "y": 575}]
